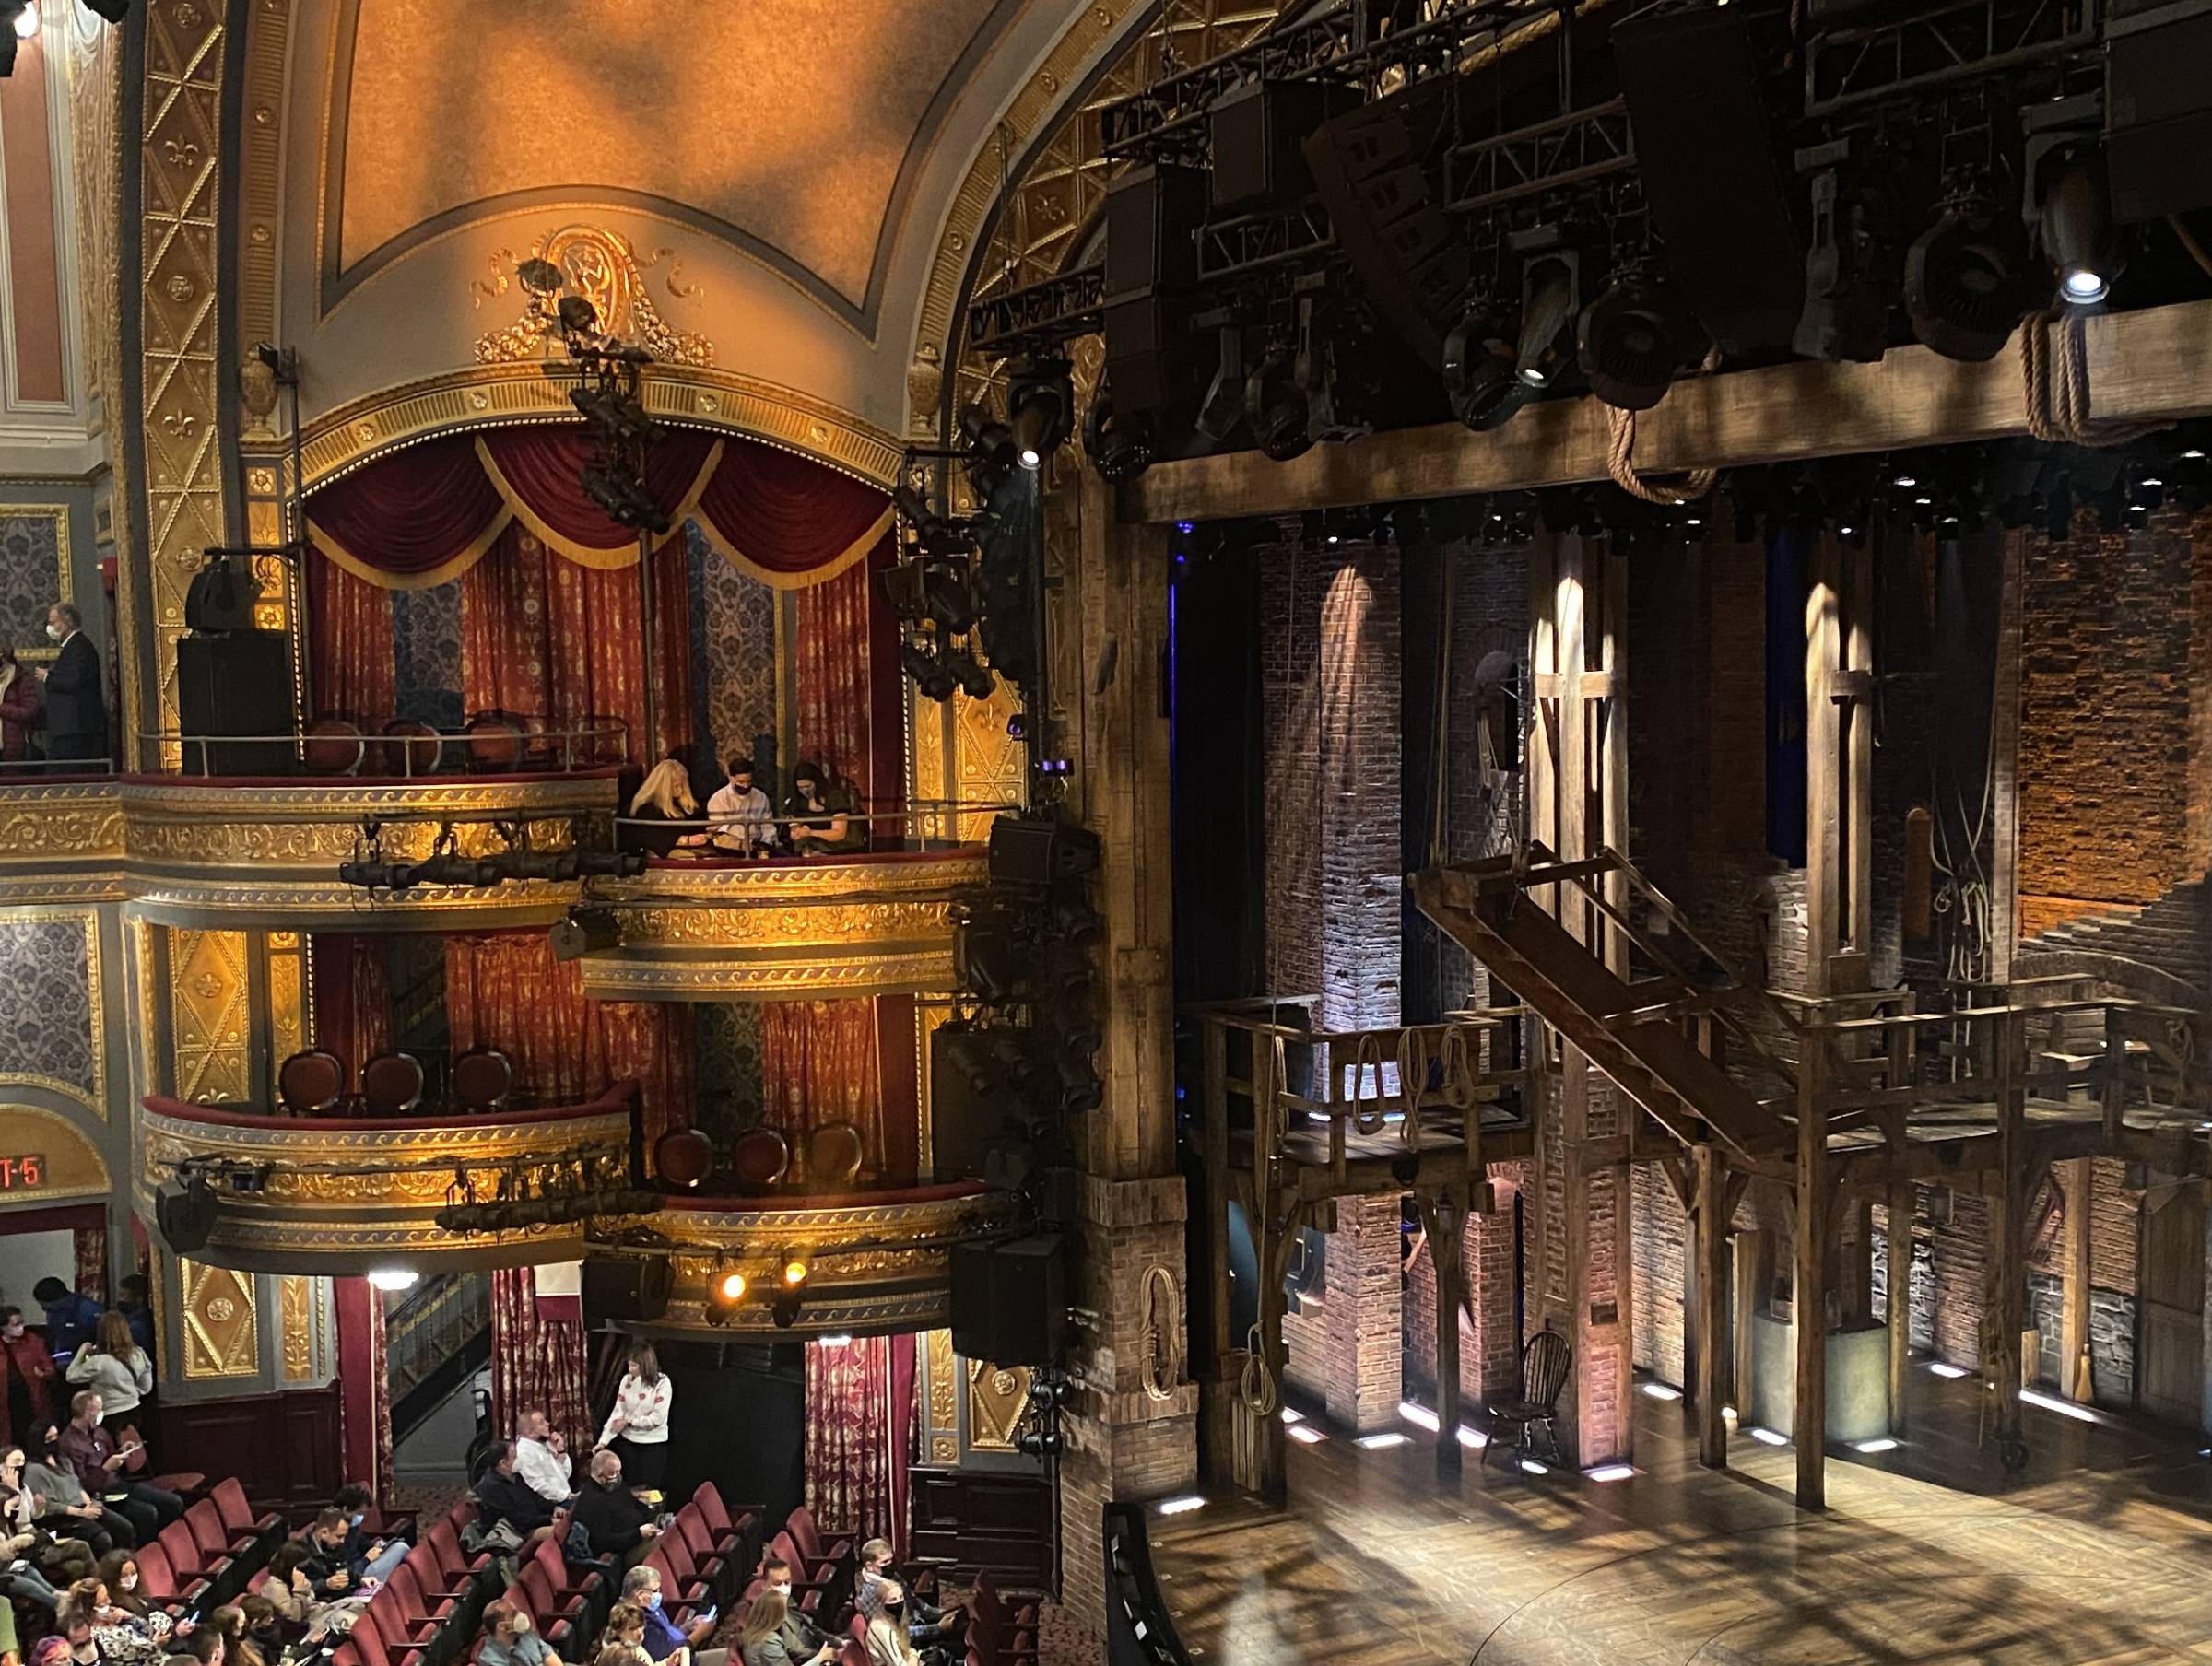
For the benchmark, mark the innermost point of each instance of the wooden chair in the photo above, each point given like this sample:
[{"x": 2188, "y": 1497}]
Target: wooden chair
[
  {"x": 833, "y": 1154},
  {"x": 759, "y": 1159},
  {"x": 392, "y": 1083},
  {"x": 333, "y": 745},
  {"x": 482, "y": 1078},
  {"x": 496, "y": 741},
  {"x": 411, "y": 747},
  {"x": 311, "y": 1083},
  {"x": 683, "y": 1156},
  {"x": 1543, "y": 1364}
]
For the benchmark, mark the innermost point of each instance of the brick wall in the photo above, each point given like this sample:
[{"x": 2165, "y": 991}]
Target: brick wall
[
  {"x": 1330, "y": 713},
  {"x": 1961, "y": 1252},
  {"x": 1490, "y": 1338},
  {"x": 1662, "y": 1229},
  {"x": 2113, "y": 713}
]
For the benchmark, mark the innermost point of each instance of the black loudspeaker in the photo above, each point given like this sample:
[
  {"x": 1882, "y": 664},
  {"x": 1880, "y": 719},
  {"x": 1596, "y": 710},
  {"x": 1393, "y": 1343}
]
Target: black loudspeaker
[
  {"x": 1259, "y": 135},
  {"x": 1009, "y": 1301},
  {"x": 222, "y": 596},
  {"x": 1148, "y": 359},
  {"x": 2158, "y": 111},
  {"x": 1366, "y": 167},
  {"x": 628, "y": 1287},
  {"x": 964, "y": 1124},
  {"x": 1140, "y": 1631},
  {"x": 237, "y": 684},
  {"x": 1710, "y": 174},
  {"x": 1152, "y": 219},
  {"x": 1040, "y": 852}
]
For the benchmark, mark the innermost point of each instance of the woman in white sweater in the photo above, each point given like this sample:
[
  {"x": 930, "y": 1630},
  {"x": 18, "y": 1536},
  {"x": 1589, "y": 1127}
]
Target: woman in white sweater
[
  {"x": 637, "y": 1429},
  {"x": 114, "y": 1363}
]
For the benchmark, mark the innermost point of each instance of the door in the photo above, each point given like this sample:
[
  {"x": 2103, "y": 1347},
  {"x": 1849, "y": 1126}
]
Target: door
[{"x": 2171, "y": 1373}]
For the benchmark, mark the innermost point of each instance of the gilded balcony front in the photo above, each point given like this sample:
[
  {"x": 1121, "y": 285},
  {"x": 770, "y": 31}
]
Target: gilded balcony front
[
  {"x": 871, "y": 923},
  {"x": 341, "y": 1195}
]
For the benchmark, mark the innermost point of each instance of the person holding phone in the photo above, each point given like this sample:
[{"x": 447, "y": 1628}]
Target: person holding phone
[
  {"x": 62, "y": 1504},
  {"x": 117, "y": 1367},
  {"x": 760, "y": 1638},
  {"x": 663, "y": 1637},
  {"x": 88, "y": 1449}
]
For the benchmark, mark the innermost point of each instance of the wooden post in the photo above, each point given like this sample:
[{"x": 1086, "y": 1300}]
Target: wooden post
[
  {"x": 1445, "y": 1219},
  {"x": 2004, "y": 760},
  {"x": 2076, "y": 1181},
  {"x": 1219, "y": 1396},
  {"x": 1264, "y": 1437},
  {"x": 1858, "y": 1268},
  {"x": 2008, "y": 1292},
  {"x": 2115, "y": 1072},
  {"x": 1711, "y": 1246},
  {"x": 1754, "y": 1274},
  {"x": 1823, "y": 773},
  {"x": 1808, "y": 1306},
  {"x": 1899, "y": 1313}
]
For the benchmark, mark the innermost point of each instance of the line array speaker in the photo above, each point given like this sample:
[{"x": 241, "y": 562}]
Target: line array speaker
[{"x": 1009, "y": 1301}]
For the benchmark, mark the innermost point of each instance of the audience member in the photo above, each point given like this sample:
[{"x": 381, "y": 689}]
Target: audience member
[
  {"x": 343, "y": 1561},
  {"x": 615, "y": 1521},
  {"x": 511, "y": 1640},
  {"x": 62, "y": 1505},
  {"x": 118, "y": 1638},
  {"x": 637, "y": 1429},
  {"x": 625, "y": 1627},
  {"x": 743, "y": 819},
  {"x": 21, "y": 1576},
  {"x": 29, "y": 1369},
  {"x": 136, "y": 1304},
  {"x": 541, "y": 1458},
  {"x": 265, "y": 1627},
  {"x": 40, "y": 1549},
  {"x": 71, "y": 1318},
  {"x": 76, "y": 704},
  {"x": 206, "y": 1645},
  {"x": 760, "y": 1638},
  {"x": 288, "y": 1586},
  {"x": 228, "y": 1623},
  {"x": 800, "y": 1637},
  {"x": 925, "y": 1624},
  {"x": 886, "y": 1638},
  {"x": 504, "y": 1495},
  {"x": 118, "y": 1573},
  {"x": 620, "y": 1654},
  {"x": 377, "y": 1552},
  {"x": 19, "y": 707},
  {"x": 113, "y": 1364},
  {"x": 85, "y": 1445},
  {"x": 663, "y": 1637},
  {"x": 665, "y": 796},
  {"x": 820, "y": 816}
]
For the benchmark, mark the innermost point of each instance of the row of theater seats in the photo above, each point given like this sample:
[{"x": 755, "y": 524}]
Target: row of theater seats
[{"x": 206, "y": 1555}]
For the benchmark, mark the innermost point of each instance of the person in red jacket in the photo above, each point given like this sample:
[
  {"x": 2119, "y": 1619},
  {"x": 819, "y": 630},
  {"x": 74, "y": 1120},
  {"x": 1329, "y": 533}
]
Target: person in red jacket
[
  {"x": 19, "y": 707},
  {"x": 28, "y": 1400}
]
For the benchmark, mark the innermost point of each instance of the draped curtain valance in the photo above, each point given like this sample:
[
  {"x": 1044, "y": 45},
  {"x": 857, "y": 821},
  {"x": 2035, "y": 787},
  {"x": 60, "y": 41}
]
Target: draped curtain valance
[{"x": 425, "y": 515}]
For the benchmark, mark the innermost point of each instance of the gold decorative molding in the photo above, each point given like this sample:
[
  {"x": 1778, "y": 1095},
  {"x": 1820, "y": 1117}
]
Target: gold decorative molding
[
  {"x": 210, "y": 1022},
  {"x": 496, "y": 395},
  {"x": 268, "y": 26},
  {"x": 296, "y": 1327},
  {"x": 598, "y": 264},
  {"x": 943, "y": 1402},
  {"x": 181, "y": 382},
  {"x": 221, "y": 1325},
  {"x": 76, "y": 820},
  {"x": 615, "y": 978},
  {"x": 74, "y": 1166},
  {"x": 996, "y": 1397},
  {"x": 96, "y": 1102},
  {"x": 340, "y": 1199}
]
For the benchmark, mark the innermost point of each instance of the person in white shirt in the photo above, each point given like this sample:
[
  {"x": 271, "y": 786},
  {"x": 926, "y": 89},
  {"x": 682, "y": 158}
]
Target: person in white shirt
[
  {"x": 637, "y": 1431},
  {"x": 541, "y": 1458},
  {"x": 740, "y": 815}
]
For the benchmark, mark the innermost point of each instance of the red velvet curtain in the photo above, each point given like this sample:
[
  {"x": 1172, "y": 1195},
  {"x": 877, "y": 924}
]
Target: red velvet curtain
[
  {"x": 833, "y": 682},
  {"x": 819, "y": 1065},
  {"x": 541, "y": 470},
  {"x": 785, "y": 514},
  {"x": 537, "y": 1364},
  {"x": 352, "y": 998},
  {"x": 89, "y": 1245},
  {"x": 861, "y": 1425},
  {"x": 408, "y": 517},
  {"x": 350, "y": 644},
  {"x": 543, "y": 637},
  {"x": 364, "y": 1392},
  {"x": 505, "y": 989}
]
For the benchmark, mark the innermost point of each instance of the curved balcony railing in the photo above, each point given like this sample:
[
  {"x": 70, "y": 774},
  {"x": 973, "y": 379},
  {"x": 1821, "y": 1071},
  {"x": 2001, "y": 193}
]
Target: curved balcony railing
[
  {"x": 851, "y": 922},
  {"x": 344, "y": 1195},
  {"x": 490, "y": 742}
]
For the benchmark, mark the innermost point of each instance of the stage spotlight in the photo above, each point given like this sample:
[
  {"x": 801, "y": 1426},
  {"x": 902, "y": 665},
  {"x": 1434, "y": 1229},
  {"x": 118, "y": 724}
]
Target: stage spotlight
[
  {"x": 1119, "y": 446},
  {"x": 184, "y": 1208},
  {"x": 990, "y": 449},
  {"x": 1478, "y": 374},
  {"x": 931, "y": 675},
  {"x": 784, "y": 1310},
  {"x": 1547, "y": 346},
  {"x": 1041, "y": 405},
  {"x": 725, "y": 1294},
  {"x": 1223, "y": 406},
  {"x": 1966, "y": 286},
  {"x": 971, "y": 674},
  {"x": 1632, "y": 338},
  {"x": 2074, "y": 226},
  {"x": 1276, "y": 407},
  {"x": 1849, "y": 276},
  {"x": 793, "y": 1267},
  {"x": 584, "y": 932},
  {"x": 1040, "y": 1443}
]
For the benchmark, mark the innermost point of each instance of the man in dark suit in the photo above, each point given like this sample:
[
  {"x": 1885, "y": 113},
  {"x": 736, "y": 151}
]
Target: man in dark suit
[{"x": 77, "y": 703}]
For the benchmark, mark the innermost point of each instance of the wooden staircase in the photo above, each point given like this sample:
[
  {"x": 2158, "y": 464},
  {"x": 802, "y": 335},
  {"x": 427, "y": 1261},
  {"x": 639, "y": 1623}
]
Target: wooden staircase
[{"x": 1634, "y": 1031}]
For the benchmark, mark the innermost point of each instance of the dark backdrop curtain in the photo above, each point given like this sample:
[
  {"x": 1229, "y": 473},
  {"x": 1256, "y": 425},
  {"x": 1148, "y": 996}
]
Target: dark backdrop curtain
[
  {"x": 352, "y": 998},
  {"x": 833, "y": 677},
  {"x": 819, "y": 1065}
]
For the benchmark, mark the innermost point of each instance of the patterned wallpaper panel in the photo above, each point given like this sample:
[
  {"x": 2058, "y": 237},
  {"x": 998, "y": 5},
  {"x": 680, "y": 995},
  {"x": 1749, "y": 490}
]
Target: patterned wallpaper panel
[
  {"x": 33, "y": 548},
  {"x": 728, "y": 1074},
  {"x": 736, "y": 652},
  {"x": 47, "y": 1015},
  {"x": 426, "y": 647}
]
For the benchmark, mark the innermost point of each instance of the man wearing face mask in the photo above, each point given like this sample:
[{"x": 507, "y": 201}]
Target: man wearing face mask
[
  {"x": 925, "y": 1624},
  {"x": 663, "y": 1637},
  {"x": 29, "y": 1372},
  {"x": 511, "y": 1640},
  {"x": 77, "y": 703},
  {"x": 801, "y": 1640}
]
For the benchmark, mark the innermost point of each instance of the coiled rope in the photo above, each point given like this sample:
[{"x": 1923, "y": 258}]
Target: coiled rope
[{"x": 2055, "y": 380}]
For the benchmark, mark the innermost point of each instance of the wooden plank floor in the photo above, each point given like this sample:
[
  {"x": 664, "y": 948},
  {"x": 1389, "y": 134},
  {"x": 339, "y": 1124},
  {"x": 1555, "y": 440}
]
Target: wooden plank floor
[{"x": 2100, "y": 1552}]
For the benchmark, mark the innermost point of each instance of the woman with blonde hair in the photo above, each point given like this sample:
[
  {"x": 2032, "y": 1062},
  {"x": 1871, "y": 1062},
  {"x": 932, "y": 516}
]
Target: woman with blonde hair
[
  {"x": 665, "y": 795},
  {"x": 760, "y": 1640},
  {"x": 637, "y": 1429},
  {"x": 114, "y": 1367}
]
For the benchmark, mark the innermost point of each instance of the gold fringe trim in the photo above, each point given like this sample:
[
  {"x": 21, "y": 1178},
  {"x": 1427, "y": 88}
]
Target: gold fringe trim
[
  {"x": 586, "y": 554},
  {"x": 446, "y": 571},
  {"x": 855, "y": 551}
]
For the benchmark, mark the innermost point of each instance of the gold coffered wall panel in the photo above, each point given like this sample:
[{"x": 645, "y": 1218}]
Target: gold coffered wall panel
[
  {"x": 208, "y": 1017},
  {"x": 179, "y": 173},
  {"x": 295, "y": 1309},
  {"x": 941, "y": 1405},
  {"x": 221, "y": 1333},
  {"x": 997, "y": 1395},
  {"x": 288, "y": 994}
]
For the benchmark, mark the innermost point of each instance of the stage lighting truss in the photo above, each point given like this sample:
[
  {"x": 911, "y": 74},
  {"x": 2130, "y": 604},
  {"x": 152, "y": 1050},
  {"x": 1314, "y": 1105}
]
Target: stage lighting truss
[{"x": 1904, "y": 58}]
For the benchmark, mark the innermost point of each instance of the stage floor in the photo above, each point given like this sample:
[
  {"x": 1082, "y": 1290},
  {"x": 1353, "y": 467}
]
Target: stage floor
[{"x": 2100, "y": 1552}]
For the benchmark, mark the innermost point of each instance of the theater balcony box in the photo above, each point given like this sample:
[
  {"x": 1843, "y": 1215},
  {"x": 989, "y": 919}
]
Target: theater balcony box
[
  {"x": 875, "y": 922},
  {"x": 342, "y": 1196}
]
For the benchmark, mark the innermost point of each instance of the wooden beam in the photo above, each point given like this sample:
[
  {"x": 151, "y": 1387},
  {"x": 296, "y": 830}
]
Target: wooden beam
[
  {"x": 1898, "y": 1232},
  {"x": 2155, "y": 364},
  {"x": 1808, "y": 1296},
  {"x": 1711, "y": 1239},
  {"x": 2075, "y": 1182},
  {"x": 1754, "y": 1276},
  {"x": 1218, "y": 1393},
  {"x": 1444, "y": 1219},
  {"x": 2006, "y": 1295}
]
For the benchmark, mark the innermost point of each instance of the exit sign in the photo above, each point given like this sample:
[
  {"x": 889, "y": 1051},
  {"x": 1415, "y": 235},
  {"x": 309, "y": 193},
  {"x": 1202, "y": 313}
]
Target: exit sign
[{"x": 22, "y": 1173}]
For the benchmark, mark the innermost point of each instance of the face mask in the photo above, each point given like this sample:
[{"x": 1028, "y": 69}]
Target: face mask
[
  {"x": 785, "y": 1589},
  {"x": 895, "y": 1609},
  {"x": 129, "y": 1581},
  {"x": 653, "y": 1599},
  {"x": 54, "y": 632},
  {"x": 522, "y": 1624},
  {"x": 357, "y": 1518}
]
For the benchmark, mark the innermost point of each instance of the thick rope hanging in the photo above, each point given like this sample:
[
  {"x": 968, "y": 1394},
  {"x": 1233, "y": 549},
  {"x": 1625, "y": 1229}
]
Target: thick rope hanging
[
  {"x": 1619, "y": 463},
  {"x": 2055, "y": 381}
]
